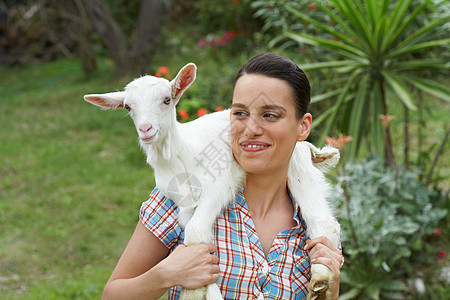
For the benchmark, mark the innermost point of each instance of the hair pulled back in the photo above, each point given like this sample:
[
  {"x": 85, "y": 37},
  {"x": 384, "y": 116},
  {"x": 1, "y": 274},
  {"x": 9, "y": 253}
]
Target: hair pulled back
[{"x": 279, "y": 67}]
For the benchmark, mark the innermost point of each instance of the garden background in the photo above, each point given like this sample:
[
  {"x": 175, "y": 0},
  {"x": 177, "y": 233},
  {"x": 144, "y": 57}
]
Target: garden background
[{"x": 72, "y": 177}]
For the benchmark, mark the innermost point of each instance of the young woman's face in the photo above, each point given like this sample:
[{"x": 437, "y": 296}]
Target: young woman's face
[{"x": 264, "y": 127}]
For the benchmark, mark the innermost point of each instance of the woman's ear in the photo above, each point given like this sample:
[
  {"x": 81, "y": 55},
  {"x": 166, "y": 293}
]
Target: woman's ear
[{"x": 304, "y": 127}]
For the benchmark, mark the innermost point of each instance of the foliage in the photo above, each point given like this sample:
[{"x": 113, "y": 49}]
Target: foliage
[
  {"x": 375, "y": 53},
  {"x": 387, "y": 216},
  {"x": 36, "y": 31},
  {"x": 225, "y": 15}
]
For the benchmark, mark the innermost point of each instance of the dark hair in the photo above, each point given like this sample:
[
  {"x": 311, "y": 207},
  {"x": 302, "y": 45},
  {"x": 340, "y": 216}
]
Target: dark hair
[{"x": 276, "y": 66}]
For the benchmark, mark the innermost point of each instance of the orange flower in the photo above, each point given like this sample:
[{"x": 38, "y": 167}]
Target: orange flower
[
  {"x": 386, "y": 120},
  {"x": 312, "y": 6},
  {"x": 219, "y": 108},
  {"x": 201, "y": 112},
  {"x": 183, "y": 114},
  {"x": 163, "y": 70},
  {"x": 339, "y": 142}
]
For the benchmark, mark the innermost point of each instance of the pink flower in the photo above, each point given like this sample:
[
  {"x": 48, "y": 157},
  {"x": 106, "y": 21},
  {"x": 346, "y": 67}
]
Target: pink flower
[
  {"x": 183, "y": 114},
  {"x": 442, "y": 254},
  {"x": 226, "y": 36},
  {"x": 213, "y": 43},
  {"x": 201, "y": 112},
  {"x": 202, "y": 43},
  {"x": 437, "y": 232},
  {"x": 223, "y": 42}
]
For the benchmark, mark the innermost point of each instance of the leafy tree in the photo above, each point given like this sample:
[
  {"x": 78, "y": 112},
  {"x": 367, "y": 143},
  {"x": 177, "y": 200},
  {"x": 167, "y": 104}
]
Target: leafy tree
[{"x": 375, "y": 53}]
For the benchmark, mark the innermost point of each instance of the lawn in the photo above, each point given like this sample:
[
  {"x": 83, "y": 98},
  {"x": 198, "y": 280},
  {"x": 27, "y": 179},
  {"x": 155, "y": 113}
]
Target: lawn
[{"x": 72, "y": 178}]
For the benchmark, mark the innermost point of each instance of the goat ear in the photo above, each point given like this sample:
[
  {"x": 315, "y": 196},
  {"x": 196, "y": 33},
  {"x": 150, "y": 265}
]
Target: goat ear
[
  {"x": 324, "y": 159},
  {"x": 109, "y": 100},
  {"x": 183, "y": 80}
]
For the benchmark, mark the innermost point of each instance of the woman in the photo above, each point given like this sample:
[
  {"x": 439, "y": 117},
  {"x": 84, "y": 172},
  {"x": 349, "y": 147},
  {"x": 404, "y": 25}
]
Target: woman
[{"x": 260, "y": 249}]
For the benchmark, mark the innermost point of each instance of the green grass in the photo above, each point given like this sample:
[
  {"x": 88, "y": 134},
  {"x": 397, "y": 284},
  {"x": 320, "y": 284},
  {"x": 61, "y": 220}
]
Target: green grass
[{"x": 72, "y": 178}]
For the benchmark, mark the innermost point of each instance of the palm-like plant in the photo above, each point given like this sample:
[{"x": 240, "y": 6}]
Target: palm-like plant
[{"x": 375, "y": 54}]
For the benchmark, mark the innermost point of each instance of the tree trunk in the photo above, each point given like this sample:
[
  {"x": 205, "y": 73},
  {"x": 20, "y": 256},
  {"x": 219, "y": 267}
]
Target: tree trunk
[
  {"x": 134, "y": 59},
  {"x": 148, "y": 28},
  {"x": 86, "y": 50},
  {"x": 110, "y": 32},
  {"x": 388, "y": 154},
  {"x": 406, "y": 137}
]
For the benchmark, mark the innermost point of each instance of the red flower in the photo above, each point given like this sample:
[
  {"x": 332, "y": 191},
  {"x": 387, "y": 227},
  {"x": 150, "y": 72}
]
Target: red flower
[
  {"x": 219, "y": 108},
  {"x": 183, "y": 114},
  {"x": 437, "y": 232},
  {"x": 201, "y": 112},
  {"x": 442, "y": 254},
  {"x": 163, "y": 70},
  {"x": 222, "y": 41},
  {"x": 232, "y": 33}
]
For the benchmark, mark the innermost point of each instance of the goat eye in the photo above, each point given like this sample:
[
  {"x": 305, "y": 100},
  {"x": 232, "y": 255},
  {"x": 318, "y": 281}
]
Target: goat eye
[
  {"x": 167, "y": 101},
  {"x": 127, "y": 107}
]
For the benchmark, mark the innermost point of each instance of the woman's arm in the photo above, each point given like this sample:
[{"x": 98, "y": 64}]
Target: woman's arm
[
  {"x": 146, "y": 271},
  {"x": 322, "y": 251}
]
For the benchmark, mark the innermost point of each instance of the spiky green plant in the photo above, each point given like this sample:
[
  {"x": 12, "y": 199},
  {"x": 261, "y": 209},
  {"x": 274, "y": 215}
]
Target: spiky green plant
[{"x": 375, "y": 53}]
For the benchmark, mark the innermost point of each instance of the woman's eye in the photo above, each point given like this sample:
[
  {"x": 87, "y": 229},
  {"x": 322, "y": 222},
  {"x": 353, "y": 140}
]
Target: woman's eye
[
  {"x": 127, "y": 107},
  {"x": 239, "y": 114},
  {"x": 167, "y": 101},
  {"x": 271, "y": 116}
]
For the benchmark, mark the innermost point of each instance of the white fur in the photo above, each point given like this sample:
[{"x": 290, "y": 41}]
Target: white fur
[{"x": 178, "y": 154}]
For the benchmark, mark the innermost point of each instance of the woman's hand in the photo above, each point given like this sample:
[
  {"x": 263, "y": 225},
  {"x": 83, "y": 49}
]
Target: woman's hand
[
  {"x": 322, "y": 251},
  {"x": 191, "y": 266}
]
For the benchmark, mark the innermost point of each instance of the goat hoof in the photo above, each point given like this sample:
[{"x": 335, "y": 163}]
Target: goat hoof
[{"x": 319, "y": 291}]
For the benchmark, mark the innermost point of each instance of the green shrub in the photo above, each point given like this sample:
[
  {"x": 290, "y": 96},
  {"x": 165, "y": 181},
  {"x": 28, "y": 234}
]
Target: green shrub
[{"x": 386, "y": 215}]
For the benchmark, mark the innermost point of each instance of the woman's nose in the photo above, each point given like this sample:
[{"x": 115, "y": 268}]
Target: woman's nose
[{"x": 253, "y": 127}]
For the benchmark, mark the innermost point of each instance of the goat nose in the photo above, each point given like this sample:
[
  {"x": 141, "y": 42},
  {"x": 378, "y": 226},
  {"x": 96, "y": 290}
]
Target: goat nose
[{"x": 145, "y": 127}]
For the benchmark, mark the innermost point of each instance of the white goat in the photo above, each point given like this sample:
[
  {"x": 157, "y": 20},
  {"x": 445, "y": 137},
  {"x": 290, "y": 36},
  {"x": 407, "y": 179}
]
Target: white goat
[{"x": 194, "y": 166}]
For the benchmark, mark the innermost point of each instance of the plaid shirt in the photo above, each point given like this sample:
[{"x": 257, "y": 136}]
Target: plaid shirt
[{"x": 245, "y": 273}]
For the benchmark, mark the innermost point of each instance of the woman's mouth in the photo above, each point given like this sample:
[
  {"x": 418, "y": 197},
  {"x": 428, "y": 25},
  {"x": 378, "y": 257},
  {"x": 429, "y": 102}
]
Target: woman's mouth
[{"x": 254, "y": 146}]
